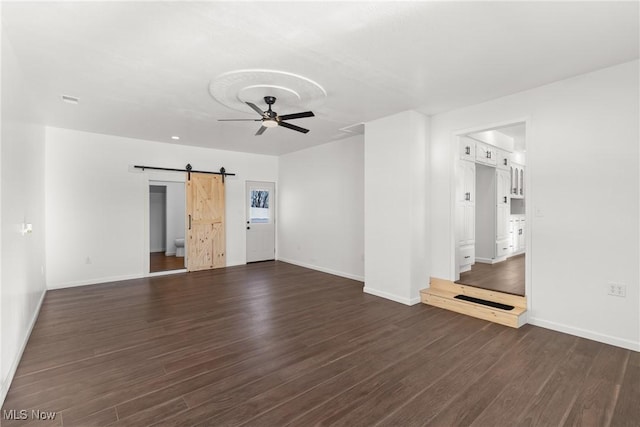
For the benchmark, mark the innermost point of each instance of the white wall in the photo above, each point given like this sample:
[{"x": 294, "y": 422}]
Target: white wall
[
  {"x": 396, "y": 207},
  {"x": 583, "y": 179},
  {"x": 321, "y": 208},
  {"x": 96, "y": 204},
  {"x": 157, "y": 218},
  {"x": 22, "y": 257},
  {"x": 176, "y": 202}
]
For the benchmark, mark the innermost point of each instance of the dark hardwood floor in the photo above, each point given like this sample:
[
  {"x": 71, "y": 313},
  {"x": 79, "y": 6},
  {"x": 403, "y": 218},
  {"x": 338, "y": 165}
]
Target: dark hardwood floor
[
  {"x": 506, "y": 276},
  {"x": 160, "y": 262},
  {"x": 272, "y": 344}
]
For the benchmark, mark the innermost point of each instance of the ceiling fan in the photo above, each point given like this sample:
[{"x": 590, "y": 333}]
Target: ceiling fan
[{"x": 271, "y": 119}]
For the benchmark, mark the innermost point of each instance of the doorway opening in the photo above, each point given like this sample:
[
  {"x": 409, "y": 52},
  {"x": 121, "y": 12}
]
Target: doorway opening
[
  {"x": 166, "y": 226},
  {"x": 491, "y": 209}
]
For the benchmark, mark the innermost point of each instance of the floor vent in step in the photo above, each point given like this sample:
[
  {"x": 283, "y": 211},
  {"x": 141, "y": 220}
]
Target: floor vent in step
[{"x": 485, "y": 302}]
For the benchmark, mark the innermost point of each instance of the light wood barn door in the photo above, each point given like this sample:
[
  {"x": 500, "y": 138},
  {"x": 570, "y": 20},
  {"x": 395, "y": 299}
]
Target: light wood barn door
[{"x": 205, "y": 222}]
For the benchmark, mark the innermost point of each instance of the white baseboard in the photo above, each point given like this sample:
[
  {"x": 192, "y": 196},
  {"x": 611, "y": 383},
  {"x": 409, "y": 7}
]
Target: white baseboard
[
  {"x": 392, "y": 297},
  {"x": 583, "y": 333},
  {"x": 94, "y": 281},
  {"x": 169, "y": 254},
  {"x": 490, "y": 260},
  {"x": 6, "y": 383},
  {"x": 323, "y": 269},
  {"x": 166, "y": 273}
]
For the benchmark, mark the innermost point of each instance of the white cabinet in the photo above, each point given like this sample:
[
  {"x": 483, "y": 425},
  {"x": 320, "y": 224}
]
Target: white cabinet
[
  {"x": 503, "y": 159},
  {"x": 466, "y": 213},
  {"x": 503, "y": 210},
  {"x": 467, "y": 148},
  {"x": 517, "y": 242},
  {"x": 521, "y": 236},
  {"x": 503, "y": 205},
  {"x": 517, "y": 180},
  {"x": 486, "y": 154}
]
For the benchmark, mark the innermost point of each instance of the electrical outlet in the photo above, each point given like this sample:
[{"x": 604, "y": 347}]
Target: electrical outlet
[{"x": 617, "y": 290}]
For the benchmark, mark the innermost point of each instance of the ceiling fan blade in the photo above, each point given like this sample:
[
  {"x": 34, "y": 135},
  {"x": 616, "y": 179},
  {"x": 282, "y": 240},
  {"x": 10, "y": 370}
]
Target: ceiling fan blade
[
  {"x": 293, "y": 127},
  {"x": 297, "y": 115},
  {"x": 239, "y": 120},
  {"x": 255, "y": 108},
  {"x": 261, "y": 130}
]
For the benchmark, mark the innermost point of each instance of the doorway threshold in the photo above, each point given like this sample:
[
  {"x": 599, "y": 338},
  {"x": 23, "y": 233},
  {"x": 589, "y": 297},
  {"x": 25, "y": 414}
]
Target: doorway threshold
[{"x": 165, "y": 273}]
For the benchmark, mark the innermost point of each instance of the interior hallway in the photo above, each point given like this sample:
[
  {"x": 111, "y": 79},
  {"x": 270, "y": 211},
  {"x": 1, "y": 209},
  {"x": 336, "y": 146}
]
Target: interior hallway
[{"x": 506, "y": 276}]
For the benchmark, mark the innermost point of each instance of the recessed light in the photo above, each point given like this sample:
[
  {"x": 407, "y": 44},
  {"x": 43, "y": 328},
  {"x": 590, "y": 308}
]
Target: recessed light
[
  {"x": 175, "y": 137},
  {"x": 70, "y": 99}
]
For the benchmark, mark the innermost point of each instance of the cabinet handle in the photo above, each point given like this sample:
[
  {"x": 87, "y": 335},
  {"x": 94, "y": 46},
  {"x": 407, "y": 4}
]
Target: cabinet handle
[
  {"x": 505, "y": 199},
  {"x": 468, "y": 256},
  {"x": 488, "y": 156},
  {"x": 505, "y": 162},
  {"x": 467, "y": 196},
  {"x": 467, "y": 150},
  {"x": 189, "y": 222}
]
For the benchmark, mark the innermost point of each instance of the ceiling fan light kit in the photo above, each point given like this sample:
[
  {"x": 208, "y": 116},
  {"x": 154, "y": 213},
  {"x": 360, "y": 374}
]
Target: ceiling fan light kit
[{"x": 271, "y": 119}]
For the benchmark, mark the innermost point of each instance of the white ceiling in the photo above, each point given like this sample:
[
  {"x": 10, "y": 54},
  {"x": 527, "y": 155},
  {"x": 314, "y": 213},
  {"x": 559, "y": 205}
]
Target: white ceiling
[{"x": 143, "y": 69}]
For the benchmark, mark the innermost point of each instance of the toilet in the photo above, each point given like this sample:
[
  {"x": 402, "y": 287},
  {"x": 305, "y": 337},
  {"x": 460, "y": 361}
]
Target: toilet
[{"x": 179, "y": 247}]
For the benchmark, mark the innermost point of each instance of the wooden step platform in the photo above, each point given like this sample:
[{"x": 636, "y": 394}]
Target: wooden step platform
[{"x": 441, "y": 294}]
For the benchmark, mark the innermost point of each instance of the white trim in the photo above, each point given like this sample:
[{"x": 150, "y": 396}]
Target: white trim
[
  {"x": 4, "y": 388},
  {"x": 454, "y": 156},
  {"x": 392, "y": 297},
  {"x": 166, "y": 273},
  {"x": 583, "y": 333},
  {"x": 94, "y": 281},
  {"x": 323, "y": 269},
  {"x": 169, "y": 254},
  {"x": 491, "y": 260}
]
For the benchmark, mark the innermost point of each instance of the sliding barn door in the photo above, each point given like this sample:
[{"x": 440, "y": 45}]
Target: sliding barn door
[{"x": 205, "y": 222}]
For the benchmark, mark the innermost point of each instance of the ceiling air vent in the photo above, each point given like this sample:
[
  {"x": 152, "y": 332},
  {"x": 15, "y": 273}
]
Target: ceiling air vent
[{"x": 70, "y": 99}]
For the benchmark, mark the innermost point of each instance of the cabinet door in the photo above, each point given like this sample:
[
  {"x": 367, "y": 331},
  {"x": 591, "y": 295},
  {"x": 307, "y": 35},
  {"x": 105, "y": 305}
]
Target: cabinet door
[
  {"x": 503, "y": 159},
  {"x": 521, "y": 236},
  {"x": 482, "y": 153},
  {"x": 470, "y": 181},
  {"x": 467, "y": 149},
  {"x": 465, "y": 202},
  {"x": 469, "y": 224},
  {"x": 492, "y": 155},
  {"x": 503, "y": 204}
]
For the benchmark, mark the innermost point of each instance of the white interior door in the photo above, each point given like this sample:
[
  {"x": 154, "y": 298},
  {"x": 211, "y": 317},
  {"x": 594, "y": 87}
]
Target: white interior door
[{"x": 261, "y": 230}]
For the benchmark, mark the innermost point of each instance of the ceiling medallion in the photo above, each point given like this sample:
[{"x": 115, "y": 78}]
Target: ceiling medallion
[{"x": 234, "y": 89}]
